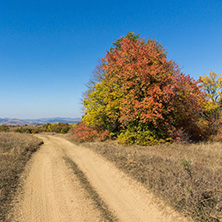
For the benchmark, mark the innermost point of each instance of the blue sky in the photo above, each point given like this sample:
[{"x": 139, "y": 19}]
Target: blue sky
[{"x": 48, "y": 49}]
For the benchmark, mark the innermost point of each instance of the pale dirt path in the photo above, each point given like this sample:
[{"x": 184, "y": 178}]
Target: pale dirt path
[{"x": 51, "y": 194}]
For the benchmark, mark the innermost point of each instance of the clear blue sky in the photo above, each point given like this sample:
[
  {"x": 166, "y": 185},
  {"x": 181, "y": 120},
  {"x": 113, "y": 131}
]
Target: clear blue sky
[{"x": 48, "y": 49}]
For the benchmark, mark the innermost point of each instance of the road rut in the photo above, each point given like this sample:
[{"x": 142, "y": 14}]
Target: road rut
[{"x": 52, "y": 192}]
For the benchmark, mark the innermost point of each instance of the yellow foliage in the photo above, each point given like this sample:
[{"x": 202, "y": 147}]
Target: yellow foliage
[
  {"x": 212, "y": 85},
  {"x": 101, "y": 105}
]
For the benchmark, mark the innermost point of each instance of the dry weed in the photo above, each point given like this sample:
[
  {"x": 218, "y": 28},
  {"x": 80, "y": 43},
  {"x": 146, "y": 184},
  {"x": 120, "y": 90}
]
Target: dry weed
[
  {"x": 188, "y": 177},
  {"x": 15, "y": 151}
]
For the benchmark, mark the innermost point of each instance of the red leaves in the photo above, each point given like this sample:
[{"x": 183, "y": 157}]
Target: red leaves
[
  {"x": 153, "y": 89},
  {"x": 84, "y": 133},
  {"x": 142, "y": 96}
]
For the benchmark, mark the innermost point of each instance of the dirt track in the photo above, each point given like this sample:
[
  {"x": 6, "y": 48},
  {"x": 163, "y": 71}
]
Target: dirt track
[{"x": 53, "y": 192}]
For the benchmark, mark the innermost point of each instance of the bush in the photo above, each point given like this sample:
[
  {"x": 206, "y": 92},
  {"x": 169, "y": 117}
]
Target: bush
[
  {"x": 4, "y": 128},
  {"x": 83, "y": 133},
  {"x": 56, "y": 127},
  {"x": 103, "y": 135},
  {"x": 143, "y": 135}
]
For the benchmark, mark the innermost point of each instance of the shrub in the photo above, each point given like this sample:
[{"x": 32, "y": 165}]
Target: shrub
[
  {"x": 143, "y": 135},
  {"x": 103, "y": 135},
  {"x": 4, "y": 128},
  {"x": 85, "y": 133},
  {"x": 82, "y": 133},
  {"x": 56, "y": 127}
]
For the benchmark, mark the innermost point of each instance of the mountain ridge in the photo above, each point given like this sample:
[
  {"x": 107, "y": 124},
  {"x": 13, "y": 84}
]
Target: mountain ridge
[{"x": 38, "y": 121}]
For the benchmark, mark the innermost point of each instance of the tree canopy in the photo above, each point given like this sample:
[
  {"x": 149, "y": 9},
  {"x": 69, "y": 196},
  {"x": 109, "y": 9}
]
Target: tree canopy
[{"x": 142, "y": 97}]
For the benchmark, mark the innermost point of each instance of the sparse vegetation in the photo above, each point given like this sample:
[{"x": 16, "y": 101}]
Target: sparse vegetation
[
  {"x": 106, "y": 214},
  {"x": 15, "y": 150},
  {"x": 33, "y": 129},
  {"x": 138, "y": 96},
  {"x": 57, "y": 127},
  {"x": 4, "y": 128},
  {"x": 187, "y": 176}
]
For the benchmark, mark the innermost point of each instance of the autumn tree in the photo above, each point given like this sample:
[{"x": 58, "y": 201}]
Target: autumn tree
[
  {"x": 142, "y": 95},
  {"x": 212, "y": 86}
]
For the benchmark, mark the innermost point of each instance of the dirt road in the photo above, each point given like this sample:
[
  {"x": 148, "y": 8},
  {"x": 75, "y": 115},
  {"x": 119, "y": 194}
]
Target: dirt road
[{"x": 66, "y": 182}]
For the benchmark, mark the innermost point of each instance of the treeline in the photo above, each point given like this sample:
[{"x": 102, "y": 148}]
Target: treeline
[
  {"x": 139, "y": 96},
  {"x": 54, "y": 127}
]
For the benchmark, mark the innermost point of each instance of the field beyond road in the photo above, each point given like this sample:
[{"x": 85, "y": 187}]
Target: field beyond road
[
  {"x": 68, "y": 182},
  {"x": 187, "y": 176},
  {"x": 15, "y": 151}
]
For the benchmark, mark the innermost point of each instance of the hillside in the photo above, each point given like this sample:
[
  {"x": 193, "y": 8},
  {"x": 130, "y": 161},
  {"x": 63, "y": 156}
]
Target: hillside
[{"x": 40, "y": 121}]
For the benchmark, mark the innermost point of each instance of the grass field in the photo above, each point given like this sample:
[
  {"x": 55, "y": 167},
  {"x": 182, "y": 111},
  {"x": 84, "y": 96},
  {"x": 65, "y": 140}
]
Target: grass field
[
  {"x": 188, "y": 177},
  {"x": 15, "y": 150}
]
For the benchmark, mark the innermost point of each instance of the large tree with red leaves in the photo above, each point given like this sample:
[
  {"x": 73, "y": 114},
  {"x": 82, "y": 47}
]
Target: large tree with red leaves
[{"x": 142, "y": 95}]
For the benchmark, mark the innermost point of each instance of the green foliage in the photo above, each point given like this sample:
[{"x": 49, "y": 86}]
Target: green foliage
[
  {"x": 95, "y": 107},
  {"x": 187, "y": 166},
  {"x": 23, "y": 130},
  {"x": 56, "y": 127},
  {"x": 143, "y": 135},
  {"x": 4, "y": 128},
  {"x": 36, "y": 130},
  {"x": 102, "y": 106}
]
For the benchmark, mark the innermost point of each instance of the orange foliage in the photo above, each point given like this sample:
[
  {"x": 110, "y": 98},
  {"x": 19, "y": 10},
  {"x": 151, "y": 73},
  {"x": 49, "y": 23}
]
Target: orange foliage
[
  {"x": 154, "y": 91},
  {"x": 83, "y": 133}
]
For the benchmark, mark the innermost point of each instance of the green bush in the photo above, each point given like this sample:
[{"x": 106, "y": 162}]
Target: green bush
[
  {"x": 4, "y": 128},
  {"x": 143, "y": 135}
]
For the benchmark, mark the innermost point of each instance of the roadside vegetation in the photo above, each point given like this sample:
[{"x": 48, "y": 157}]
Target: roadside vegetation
[
  {"x": 186, "y": 176},
  {"x": 140, "y": 97},
  {"x": 15, "y": 150},
  {"x": 173, "y": 123},
  {"x": 32, "y": 129}
]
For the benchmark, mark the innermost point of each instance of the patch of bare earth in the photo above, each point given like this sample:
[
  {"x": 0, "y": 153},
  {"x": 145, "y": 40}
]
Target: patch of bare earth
[
  {"x": 68, "y": 182},
  {"x": 51, "y": 190}
]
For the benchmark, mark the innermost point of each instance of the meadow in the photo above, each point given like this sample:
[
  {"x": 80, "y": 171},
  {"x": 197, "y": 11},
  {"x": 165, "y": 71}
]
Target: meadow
[{"x": 187, "y": 176}]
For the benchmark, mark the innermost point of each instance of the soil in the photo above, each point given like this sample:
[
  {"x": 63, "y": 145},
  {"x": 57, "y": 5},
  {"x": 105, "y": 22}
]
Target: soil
[{"x": 54, "y": 191}]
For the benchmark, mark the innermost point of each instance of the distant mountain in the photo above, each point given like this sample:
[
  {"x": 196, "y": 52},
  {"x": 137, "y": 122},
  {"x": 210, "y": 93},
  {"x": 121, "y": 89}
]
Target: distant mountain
[{"x": 40, "y": 121}]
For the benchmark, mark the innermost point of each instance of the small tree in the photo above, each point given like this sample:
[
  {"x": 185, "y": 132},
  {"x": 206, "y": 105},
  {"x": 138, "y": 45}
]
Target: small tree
[{"x": 212, "y": 86}]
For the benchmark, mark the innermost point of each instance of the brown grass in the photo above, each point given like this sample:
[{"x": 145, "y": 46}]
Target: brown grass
[
  {"x": 15, "y": 150},
  {"x": 188, "y": 177},
  {"x": 106, "y": 214}
]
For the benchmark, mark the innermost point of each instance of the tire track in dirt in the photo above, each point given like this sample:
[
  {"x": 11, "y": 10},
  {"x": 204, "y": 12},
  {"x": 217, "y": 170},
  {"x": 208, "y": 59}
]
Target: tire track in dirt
[
  {"x": 127, "y": 199},
  {"x": 100, "y": 204},
  {"x": 54, "y": 193}
]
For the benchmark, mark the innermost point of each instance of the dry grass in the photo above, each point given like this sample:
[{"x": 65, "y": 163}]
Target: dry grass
[
  {"x": 188, "y": 177},
  {"x": 15, "y": 151},
  {"x": 106, "y": 214}
]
